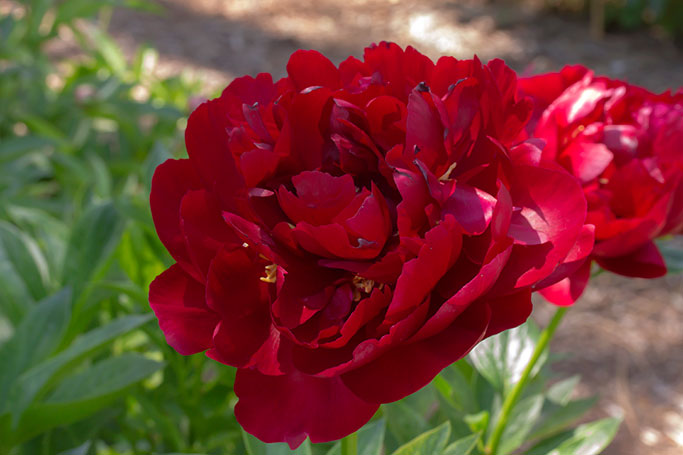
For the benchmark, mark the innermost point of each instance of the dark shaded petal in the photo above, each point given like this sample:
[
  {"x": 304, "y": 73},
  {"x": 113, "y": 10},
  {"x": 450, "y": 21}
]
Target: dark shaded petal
[
  {"x": 645, "y": 262},
  {"x": 293, "y": 406},
  {"x": 179, "y": 304}
]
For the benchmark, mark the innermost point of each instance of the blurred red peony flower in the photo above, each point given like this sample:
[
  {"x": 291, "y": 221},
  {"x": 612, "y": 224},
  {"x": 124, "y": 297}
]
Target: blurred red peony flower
[
  {"x": 623, "y": 143},
  {"x": 343, "y": 234}
]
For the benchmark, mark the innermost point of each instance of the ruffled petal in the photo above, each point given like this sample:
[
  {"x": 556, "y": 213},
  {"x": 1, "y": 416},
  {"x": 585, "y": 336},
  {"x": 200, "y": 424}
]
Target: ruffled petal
[
  {"x": 204, "y": 228},
  {"x": 178, "y": 303},
  {"x": 509, "y": 311},
  {"x": 312, "y": 69},
  {"x": 293, "y": 406},
  {"x": 409, "y": 367},
  {"x": 172, "y": 180},
  {"x": 206, "y": 139},
  {"x": 236, "y": 292},
  {"x": 645, "y": 262},
  {"x": 568, "y": 290}
]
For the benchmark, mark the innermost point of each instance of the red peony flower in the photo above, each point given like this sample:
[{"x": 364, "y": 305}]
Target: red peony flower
[
  {"x": 623, "y": 144},
  {"x": 343, "y": 234}
]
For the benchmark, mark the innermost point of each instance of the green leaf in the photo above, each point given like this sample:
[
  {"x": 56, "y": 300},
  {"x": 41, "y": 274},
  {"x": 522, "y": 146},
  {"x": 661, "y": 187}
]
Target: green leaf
[
  {"x": 478, "y": 422},
  {"x": 38, "y": 335},
  {"x": 455, "y": 388},
  {"x": 35, "y": 380},
  {"x": 673, "y": 256},
  {"x": 501, "y": 359},
  {"x": 556, "y": 419},
  {"x": 102, "y": 378},
  {"x": 463, "y": 446},
  {"x": 92, "y": 240},
  {"x": 15, "y": 147},
  {"x": 101, "y": 178},
  {"x": 110, "y": 52},
  {"x": 257, "y": 447},
  {"x": 521, "y": 421},
  {"x": 85, "y": 393},
  {"x": 428, "y": 443},
  {"x": 587, "y": 439},
  {"x": 22, "y": 260},
  {"x": 561, "y": 392},
  {"x": 370, "y": 439},
  {"x": 406, "y": 418},
  {"x": 49, "y": 232}
]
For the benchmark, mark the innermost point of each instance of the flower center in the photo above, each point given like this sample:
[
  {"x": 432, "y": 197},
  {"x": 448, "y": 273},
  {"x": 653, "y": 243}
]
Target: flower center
[{"x": 361, "y": 284}]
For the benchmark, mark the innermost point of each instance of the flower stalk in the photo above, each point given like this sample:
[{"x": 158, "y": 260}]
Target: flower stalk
[
  {"x": 515, "y": 394},
  {"x": 349, "y": 445}
]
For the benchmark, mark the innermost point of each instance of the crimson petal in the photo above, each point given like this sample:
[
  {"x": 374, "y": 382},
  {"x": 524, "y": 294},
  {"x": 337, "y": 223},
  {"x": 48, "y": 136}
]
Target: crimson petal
[
  {"x": 178, "y": 302},
  {"x": 293, "y": 406},
  {"x": 409, "y": 367},
  {"x": 645, "y": 262},
  {"x": 312, "y": 69},
  {"x": 235, "y": 291},
  {"x": 171, "y": 181}
]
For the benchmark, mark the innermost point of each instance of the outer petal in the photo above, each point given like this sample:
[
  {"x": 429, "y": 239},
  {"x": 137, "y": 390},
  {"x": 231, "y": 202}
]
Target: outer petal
[
  {"x": 292, "y": 406},
  {"x": 206, "y": 139},
  {"x": 312, "y": 69},
  {"x": 646, "y": 262},
  {"x": 568, "y": 290},
  {"x": 178, "y": 302},
  {"x": 408, "y": 368},
  {"x": 235, "y": 291},
  {"x": 509, "y": 311},
  {"x": 553, "y": 210},
  {"x": 171, "y": 181},
  {"x": 204, "y": 228},
  {"x": 574, "y": 260}
]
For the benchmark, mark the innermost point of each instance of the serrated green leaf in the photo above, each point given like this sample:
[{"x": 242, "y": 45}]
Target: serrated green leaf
[
  {"x": 370, "y": 439},
  {"x": 31, "y": 383},
  {"x": 36, "y": 337},
  {"x": 561, "y": 392},
  {"x": 522, "y": 419},
  {"x": 587, "y": 439},
  {"x": 501, "y": 359},
  {"x": 557, "y": 419},
  {"x": 257, "y": 447},
  {"x": 463, "y": 446},
  {"x": 428, "y": 443}
]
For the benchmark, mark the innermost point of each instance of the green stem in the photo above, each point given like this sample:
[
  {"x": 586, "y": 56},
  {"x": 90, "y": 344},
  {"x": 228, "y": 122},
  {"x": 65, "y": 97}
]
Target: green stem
[
  {"x": 349, "y": 445},
  {"x": 516, "y": 392}
]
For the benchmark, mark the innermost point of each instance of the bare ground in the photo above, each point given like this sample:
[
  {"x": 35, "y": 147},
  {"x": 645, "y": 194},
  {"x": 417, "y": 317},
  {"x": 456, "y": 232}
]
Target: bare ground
[{"x": 624, "y": 336}]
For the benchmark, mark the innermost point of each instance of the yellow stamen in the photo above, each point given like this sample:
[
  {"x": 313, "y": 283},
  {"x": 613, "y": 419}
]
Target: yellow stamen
[
  {"x": 271, "y": 274},
  {"x": 361, "y": 284}
]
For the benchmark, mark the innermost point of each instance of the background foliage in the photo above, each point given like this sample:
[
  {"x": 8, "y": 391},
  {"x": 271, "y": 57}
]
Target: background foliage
[
  {"x": 85, "y": 370},
  {"x": 632, "y": 14}
]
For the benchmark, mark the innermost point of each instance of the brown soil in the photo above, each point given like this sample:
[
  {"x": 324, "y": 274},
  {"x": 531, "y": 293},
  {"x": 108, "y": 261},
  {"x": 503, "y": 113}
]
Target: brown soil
[{"x": 625, "y": 336}]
